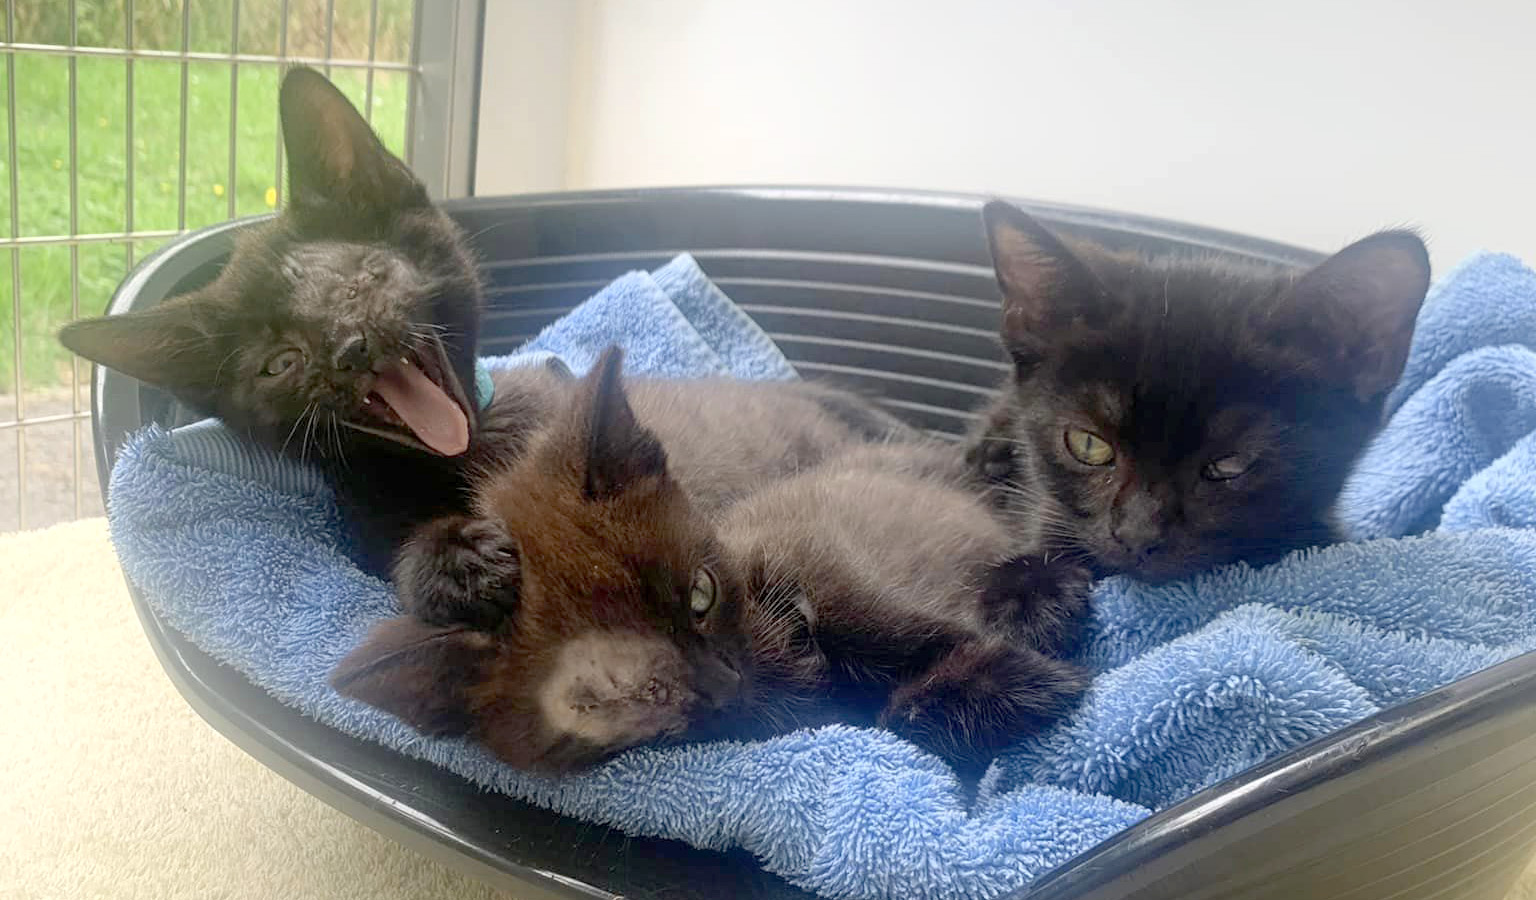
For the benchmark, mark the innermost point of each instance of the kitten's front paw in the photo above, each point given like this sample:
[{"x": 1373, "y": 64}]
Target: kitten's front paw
[
  {"x": 993, "y": 460},
  {"x": 458, "y": 570},
  {"x": 1039, "y": 600},
  {"x": 980, "y": 698}
]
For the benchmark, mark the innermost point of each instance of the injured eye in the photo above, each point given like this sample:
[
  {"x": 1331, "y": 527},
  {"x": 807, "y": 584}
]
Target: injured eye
[
  {"x": 282, "y": 362},
  {"x": 1227, "y": 467},
  {"x": 1088, "y": 448},
  {"x": 701, "y": 596}
]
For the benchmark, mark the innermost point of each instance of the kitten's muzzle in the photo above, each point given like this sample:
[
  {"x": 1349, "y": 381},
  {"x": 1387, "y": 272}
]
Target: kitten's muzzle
[
  {"x": 717, "y": 682},
  {"x": 352, "y": 354}
]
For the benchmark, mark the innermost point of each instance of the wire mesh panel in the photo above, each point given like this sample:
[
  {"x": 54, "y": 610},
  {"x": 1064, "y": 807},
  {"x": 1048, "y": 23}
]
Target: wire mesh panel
[{"x": 130, "y": 121}]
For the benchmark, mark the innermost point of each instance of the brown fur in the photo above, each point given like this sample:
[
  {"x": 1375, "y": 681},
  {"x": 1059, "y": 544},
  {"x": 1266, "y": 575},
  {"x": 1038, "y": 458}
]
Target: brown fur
[{"x": 582, "y": 552}]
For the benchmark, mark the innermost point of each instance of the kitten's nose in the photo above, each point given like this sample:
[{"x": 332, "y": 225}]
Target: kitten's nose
[
  {"x": 352, "y": 355},
  {"x": 719, "y": 683}
]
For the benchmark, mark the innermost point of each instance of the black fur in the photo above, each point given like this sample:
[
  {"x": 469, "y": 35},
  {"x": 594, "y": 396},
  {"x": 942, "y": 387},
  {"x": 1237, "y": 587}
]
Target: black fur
[
  {"x": 1038, "y": 601},
  {"x": 359, "y": 269},
  {"x": 458, "y": 570},
  {"x": 1234, "y": 398}
]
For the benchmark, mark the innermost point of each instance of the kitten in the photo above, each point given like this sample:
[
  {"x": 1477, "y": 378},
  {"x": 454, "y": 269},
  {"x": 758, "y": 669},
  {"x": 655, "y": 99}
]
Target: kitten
[
  {"x": 1171, "y": 414},
  {"x": 615, "y": 595},
  {"x": 881, "y": 583},
  {"x": 342, "y": 331},
  {"x": 725, "y": 438}
]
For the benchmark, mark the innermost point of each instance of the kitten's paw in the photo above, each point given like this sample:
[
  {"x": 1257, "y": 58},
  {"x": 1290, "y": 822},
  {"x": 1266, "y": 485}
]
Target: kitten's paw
[
  {"x": 458, "y": 570},
  {"x": 1039, "y": 600},
  {"x": 993, "y": 460},
  {"x": 981, "y": 697}
]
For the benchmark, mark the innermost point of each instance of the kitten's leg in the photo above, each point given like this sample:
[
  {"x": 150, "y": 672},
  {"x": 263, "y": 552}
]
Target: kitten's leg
[
  {"x": 992, "y": 459},
  {"x": 1039, "y": 599},
  {"x": 979, "y": 697},
  {"x": 458, "y": 570},
  {"x": 988, "y": 454}
]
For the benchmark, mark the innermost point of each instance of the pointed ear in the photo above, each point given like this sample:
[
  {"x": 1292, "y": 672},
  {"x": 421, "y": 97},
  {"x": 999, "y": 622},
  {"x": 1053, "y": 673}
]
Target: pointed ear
[
  {"x": 619, "y": 451},
  {"x": 1044, "y": 285},
  {"x": 417, "y": 672},
  {"x": 333, "y": 156},
  {"x": 163, "y": 346},
  {"x": 1355, "y": 312}
]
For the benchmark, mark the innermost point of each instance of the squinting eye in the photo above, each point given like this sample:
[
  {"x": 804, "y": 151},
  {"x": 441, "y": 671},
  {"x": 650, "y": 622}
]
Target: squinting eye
[
  {"x": 1088, "y": 448},
  {"x": 1227, "y": 467},
  {"x": 701, "y": 597},
  {"x": 282, "y": 362}
]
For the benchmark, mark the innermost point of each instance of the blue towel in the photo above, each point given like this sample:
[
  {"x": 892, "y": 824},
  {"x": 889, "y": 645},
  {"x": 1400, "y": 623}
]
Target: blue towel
[
  {"x": 1195, "y": 682},
  {"x": 673, "y": 323}
]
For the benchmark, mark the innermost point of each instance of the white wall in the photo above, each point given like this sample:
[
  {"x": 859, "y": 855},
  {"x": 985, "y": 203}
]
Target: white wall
[
  {"x": 1302, "y": 120},
  {"x": 527, "y": 65}
]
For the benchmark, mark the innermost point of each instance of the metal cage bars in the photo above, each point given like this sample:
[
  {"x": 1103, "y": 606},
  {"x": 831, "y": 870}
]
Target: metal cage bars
[{"x": 443, "y": 70}]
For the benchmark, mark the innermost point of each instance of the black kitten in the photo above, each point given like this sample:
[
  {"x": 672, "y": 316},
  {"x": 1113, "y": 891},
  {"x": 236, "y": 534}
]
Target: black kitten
[
  {"x": 343, "y": 331},
  {"x": 1170, "y": 414}
]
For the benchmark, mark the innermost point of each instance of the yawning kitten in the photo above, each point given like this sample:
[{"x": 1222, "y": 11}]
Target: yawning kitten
[
  {"x": 609, "y": 592},
  {"x": 1170, "y": 414},
  {"x": 343, "y": 331}
]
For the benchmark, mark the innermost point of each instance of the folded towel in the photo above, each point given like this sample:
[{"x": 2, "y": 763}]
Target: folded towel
[
  {"x": 672, "y": 323},
  {"x": 1196, "y": 681}
]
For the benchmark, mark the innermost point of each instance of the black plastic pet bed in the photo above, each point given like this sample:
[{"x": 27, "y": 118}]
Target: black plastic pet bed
[{"x": 1434, "y": 798}]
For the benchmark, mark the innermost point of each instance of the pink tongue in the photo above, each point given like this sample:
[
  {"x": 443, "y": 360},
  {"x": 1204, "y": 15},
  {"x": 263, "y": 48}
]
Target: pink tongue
[{"x": 426, "y": 410}]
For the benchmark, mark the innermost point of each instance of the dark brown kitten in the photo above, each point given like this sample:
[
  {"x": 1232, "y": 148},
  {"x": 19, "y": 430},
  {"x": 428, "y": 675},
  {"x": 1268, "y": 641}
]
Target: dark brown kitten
[
  {"x": 1171, "y": 414},
  {"x": 636, "y": 577}
]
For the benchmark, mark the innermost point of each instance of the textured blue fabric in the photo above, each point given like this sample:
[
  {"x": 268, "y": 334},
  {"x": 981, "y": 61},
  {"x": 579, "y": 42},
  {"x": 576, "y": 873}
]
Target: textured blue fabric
[
  {"x": 672, "y": 323},
  {"x": 1195, "y": 682}
]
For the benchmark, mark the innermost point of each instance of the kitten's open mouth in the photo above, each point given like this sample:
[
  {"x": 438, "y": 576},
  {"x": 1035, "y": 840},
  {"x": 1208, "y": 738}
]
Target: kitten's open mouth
[{"x": 417, "y": 400}]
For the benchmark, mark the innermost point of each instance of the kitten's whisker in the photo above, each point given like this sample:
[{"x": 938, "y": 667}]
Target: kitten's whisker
[
  {"x": 218, "y": 373},
  {"x": 487, "y": 230},
  {"x": 309, "y": 435},
  {"x": 296, "y": 423},
  {"x": 339, "y": 441}
]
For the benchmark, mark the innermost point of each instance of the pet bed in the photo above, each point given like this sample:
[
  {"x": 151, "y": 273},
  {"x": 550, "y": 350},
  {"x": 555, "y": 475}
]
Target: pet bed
[{"x": 233, "y": 559}]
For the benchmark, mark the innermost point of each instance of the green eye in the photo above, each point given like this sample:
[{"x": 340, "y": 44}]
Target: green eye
[
  {"x": 282, "y": 362},
  {"x": 701, "y": 597},
  {"x": 1227, "y": 467},
  {"x": 1088, "y": 448}
]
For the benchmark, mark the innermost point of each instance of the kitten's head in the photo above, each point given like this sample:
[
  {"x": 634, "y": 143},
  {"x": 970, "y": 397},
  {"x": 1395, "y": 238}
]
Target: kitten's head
[
  {"x": 353, "y": 315},
  {"x": 1173, "y": 414},
  {"x": 627, "y": 626}
]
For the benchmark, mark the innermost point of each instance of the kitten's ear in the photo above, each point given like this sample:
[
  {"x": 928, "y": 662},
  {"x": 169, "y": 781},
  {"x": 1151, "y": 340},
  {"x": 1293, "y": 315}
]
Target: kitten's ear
[
  {"x": 417, "y": 672},
  {"x": 620, "y": 451},
  {"x": 162, "y": 346},
  {"x": 333, "y": 156},
  {"x": 1358, "y": 309},
  {"x": 1044, "y": 285}
]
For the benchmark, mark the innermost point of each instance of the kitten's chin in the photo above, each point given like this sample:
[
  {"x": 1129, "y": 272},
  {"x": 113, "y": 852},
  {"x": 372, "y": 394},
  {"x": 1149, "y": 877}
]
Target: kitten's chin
[{"x": 1151, "y": 572}]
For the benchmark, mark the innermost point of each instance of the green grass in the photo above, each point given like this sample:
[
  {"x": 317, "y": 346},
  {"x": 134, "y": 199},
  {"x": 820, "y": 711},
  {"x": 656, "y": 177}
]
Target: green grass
[{"x": 43, "y": 163}]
